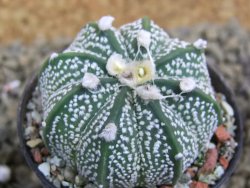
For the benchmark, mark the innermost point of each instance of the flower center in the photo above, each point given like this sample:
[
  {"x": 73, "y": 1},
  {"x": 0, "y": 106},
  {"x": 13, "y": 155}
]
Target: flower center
[{"x": 141, "y": 72}]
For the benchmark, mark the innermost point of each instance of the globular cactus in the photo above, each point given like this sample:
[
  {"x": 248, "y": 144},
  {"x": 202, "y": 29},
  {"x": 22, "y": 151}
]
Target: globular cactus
[{"x": 128, "y": 107}]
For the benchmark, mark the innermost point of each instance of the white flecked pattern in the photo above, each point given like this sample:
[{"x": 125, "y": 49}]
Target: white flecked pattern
[{"x": 154, "y": 140}]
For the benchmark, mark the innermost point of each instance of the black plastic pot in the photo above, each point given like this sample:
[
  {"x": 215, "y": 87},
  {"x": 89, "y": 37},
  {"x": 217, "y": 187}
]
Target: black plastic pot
[{"x": 218, "y": 84}]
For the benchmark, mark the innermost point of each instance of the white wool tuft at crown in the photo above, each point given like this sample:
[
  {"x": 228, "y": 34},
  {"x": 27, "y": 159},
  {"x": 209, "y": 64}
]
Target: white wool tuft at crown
[
  {"x": 144, "y": 38},
  {"x": 105, "y": 22},
  {"x": 109, "y": 132}
]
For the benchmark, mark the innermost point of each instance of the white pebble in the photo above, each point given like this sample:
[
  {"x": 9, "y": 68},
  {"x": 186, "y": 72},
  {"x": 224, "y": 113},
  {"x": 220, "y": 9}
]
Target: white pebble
[
  {"x": 57, "y": 161},
  {"x": 200, "y": 44},
  {"x": 44, "y": 169},
  {"x": 65, "y": 183},
  {"x": 11, "y": 85},
  {"x": 105, "y": 22},
  {"x": 36, "y": 116},
  {"x": 5, "y": 173},
  {"x": 90, "y": 81},
  {"x": 109, "y": 132},
  {"x": 57, "y": 183},
  {"x": 229, "y": 110},
  {"x": 219, "y": 171},
  {"x": 29, "y": 131},
  {"x": 187, "y": 84}
]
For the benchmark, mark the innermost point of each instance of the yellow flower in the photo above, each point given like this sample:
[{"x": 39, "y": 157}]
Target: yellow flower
[{"x": 143, "y": 71}]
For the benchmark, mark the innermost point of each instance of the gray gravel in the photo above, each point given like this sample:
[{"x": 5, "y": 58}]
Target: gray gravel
[{"x": 228, "y": 50}]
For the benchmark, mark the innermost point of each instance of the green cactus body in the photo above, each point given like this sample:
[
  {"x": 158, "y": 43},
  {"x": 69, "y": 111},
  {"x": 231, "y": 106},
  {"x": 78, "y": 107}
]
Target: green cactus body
[{"x": 127, "y": 129}]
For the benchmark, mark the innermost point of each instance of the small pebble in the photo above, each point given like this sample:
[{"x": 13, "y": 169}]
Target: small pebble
[
  {"x": 29, "y": 131},
  {"x": 210, "y": 163},
  {"x": 44, "y": 168},
  {"x": 31, "y": 106},
  {"x": 219, "y": 171},
  {"x": 165, "y": 186},
  {"x": 36, "y": 116},
  {"x": 37, "y": 156},
  {"x": 57, "y": 161},
  {"x": 53, "y": 167},
  {"x": 198, "y": 184},
  {"x": 5, "y": 173},
  {"x": 224, "y": 162},
  {"x": 65, "y": 183},
  {"x": 191, "y": 171},
  {"x": 45, "y": 151},
  {"x": 229, "y": 110},
  {"x": 69, "y": 174},
  {"x": 57, "y": 183},
  {"x": 90, "y": 185},
  {"x": 60, "y": 177},
  {"x": 185, "y": 178},
  {"x": 34, "y": 142},
  {"x": 80, "y": 180},
  {"x": 222, "y": 134}
]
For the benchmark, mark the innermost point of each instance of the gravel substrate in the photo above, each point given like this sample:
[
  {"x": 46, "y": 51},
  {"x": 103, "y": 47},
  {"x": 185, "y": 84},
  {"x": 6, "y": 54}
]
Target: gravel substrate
[{"x": 228, "y": 50}]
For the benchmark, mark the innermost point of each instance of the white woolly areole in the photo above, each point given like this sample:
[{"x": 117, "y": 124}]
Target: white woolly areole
[
  {"x": 90, "y": 81},
  {"x": 149, "y": 92},
  {"x": 144, "y": 38},
  {"x": 200, "y": 44},
  {"x": 5, "y": 173},
  {"x": 187, "y": 84},
  {"x": 178, "y": 156},
  {"x": 115, "y": 65},
  {"x": 53, "y": 56},
  {"x": 109, "y": 132},
  {"x": 105, "y": 22}
]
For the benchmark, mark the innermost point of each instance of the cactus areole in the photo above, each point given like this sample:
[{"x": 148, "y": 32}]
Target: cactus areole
[{"x": 128, "y": 107}]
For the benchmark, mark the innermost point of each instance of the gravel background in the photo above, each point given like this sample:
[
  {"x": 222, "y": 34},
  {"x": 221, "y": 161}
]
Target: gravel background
[
  {"x": 26, "y": 19},
  {"x": 228, "y": 50}
]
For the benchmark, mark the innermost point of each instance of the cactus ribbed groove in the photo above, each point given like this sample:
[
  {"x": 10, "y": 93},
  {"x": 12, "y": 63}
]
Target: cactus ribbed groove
[{"x": 146, "y": 115}]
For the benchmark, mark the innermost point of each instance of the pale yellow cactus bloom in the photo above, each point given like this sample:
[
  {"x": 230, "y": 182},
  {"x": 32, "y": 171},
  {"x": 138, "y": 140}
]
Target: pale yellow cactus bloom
[{"x": 143, "y": 71}]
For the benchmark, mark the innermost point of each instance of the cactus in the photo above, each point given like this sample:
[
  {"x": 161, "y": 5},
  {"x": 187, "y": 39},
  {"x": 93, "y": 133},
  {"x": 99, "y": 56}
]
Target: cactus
[{"x": 128, "y": 107}]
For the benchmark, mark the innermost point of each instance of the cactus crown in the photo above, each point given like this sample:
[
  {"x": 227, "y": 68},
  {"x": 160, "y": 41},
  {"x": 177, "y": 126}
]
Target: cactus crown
[{"x": 128, "y": 107}]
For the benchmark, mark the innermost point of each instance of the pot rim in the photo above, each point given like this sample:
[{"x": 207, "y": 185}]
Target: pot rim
[{"x": 219, "y": 84}]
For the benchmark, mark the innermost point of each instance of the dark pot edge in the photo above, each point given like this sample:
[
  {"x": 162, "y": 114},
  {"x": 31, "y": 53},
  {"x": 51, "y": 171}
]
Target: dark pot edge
[
  {"x": 230, "y": 97},
  {"x": 29, "y": 86},
  {"x": 217, "y": 82}
]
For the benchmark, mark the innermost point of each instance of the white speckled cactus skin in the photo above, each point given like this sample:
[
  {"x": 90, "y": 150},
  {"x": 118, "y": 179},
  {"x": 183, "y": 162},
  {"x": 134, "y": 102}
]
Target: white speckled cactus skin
[{"x": 113, "y": 136}]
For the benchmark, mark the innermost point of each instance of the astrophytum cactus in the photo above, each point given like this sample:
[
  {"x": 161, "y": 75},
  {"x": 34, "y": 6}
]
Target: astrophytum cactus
[{"x": 128, "y": 107}]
